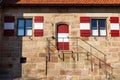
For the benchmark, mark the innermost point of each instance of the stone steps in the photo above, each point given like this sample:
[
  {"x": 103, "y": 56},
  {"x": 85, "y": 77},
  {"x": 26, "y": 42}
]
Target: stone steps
[{"x": 76, "y": 67}]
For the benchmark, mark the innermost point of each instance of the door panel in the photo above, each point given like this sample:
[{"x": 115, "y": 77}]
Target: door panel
[{"x": 62, "y": 37}]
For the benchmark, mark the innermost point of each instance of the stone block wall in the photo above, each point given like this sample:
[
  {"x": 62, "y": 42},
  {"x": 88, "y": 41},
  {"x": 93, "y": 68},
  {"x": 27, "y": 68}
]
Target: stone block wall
[{"x": 34, "y": 49}]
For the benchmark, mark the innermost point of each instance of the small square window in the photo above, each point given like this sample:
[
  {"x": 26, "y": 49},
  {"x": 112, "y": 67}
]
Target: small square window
[
  {"x": 24, "y": 27},
  {"x": 98, "y": 27}
]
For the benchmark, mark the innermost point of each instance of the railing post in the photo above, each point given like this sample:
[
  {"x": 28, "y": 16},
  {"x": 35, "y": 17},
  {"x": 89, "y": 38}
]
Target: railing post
[
  {"x": 91, "y": 58},
  {"x": 91, "y": 63},
  {"x": 99, "y": 64},
  {"x": 46, "y": 65},
  {"x": 48, "y": 48},
  {"x": 77, "y": 50},
  {"x": 63, "y": 55},
  {"x": 63, "y": 48},
  {"x": 111, "y": 70},
  {"x": 87, "y": 55},
  {"x": 90, "y": 49},
  {"x": 105, "y": 65}
]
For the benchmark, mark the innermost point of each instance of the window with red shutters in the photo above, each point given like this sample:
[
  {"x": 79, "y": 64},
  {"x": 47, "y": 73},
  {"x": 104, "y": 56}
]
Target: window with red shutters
[{"x": 92, "y": 27}]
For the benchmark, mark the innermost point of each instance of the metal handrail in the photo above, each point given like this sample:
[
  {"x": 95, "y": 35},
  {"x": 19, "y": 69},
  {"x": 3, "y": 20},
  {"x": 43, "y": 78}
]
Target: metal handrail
[
  {"x": 93, "y": 47},
  {"x": 97, "y": 58},
  {"x": 78, "y": 45},
  {"x": 103, "y": 61},
  {"x": 83, "y": 41},
  {"x": 48, "y": 46}
]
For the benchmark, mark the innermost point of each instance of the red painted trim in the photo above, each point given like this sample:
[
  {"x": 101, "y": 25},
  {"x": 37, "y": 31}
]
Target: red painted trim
[
  {"x": 63, "y": 28},
  {"x": 85, "y": 33},
  {"x": 114, "y": 20},
  {"x": 38, "y": 19},
  {"x": 85, "y": 19},
  {"x": 114, "y": 33},
  {"x": 63, "y": 46},
  {"x": 9, "y": 19},
  {"x": 9, "y": 32},
  {"x": 38, "y": 32}
]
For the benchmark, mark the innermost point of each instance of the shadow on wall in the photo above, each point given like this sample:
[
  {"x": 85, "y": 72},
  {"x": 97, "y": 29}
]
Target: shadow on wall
[
  {"x": 11, "y": 51},
  {"x": 11, "y": 48}
]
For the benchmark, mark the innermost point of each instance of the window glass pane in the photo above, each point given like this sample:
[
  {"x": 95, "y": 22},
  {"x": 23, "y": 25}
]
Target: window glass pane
[
  {"x": 94, "y": 23},
  {"x": 102, "y": 32},
  {"x": 29, "y": 23},
  {"x": 102, "y": 23},
  {"x": 20, "y": 32},
  {"x": 28, "y": 32},
  {"x": 94, "y": 27},
  {"x": 21, "y": 23},
  {"x": 94, "y": 32}
]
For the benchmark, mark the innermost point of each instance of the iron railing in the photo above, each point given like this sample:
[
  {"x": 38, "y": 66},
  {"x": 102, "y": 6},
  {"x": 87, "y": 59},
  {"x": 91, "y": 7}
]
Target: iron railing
[{"x": 77, "y": 43}]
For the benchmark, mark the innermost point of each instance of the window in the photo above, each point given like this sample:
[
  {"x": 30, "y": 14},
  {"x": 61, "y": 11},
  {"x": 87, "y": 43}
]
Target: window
[
  {"x": 24, "y": 27},
  {"x": 98, "y": 27}
]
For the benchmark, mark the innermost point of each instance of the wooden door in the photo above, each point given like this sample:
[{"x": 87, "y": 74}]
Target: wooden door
[{"x": 62, "y": 37}]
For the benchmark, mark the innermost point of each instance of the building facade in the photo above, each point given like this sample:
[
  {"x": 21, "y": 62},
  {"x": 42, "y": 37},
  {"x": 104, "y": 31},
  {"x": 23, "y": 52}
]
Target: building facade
[{"x": 56, "y": 40}]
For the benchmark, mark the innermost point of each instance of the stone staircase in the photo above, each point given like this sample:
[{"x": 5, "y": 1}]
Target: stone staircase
[{"x": 71, "y": 69}]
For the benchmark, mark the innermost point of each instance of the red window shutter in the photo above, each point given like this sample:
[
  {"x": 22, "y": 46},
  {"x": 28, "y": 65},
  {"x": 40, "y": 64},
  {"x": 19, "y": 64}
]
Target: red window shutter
[
  {"x": 85, "y": 33},
  {"x": 38, "y": 28},
  {"x": 85, "y": 26},
  {"x": 38, "y": 32},
  {"x": 114, "y": 26},
  {"x": 38, "y": 19},
  {"x": 8, "y": 32},
  {"x": 114, "y": 20},
  {"x": 9, "y": 25},
  {"x": 114, "y": 33},
  {"x": 85, "y": 19}
]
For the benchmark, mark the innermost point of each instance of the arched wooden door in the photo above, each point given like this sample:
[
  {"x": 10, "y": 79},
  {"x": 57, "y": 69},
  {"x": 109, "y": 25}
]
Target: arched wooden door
[{"x": 62, "y": 37}]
